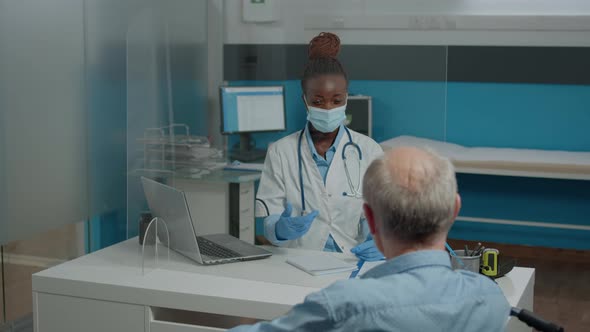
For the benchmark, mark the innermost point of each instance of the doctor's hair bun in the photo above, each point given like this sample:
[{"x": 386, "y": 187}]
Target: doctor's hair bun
[
  {"x": 324, "y": 45},
  {"x": 323, "y": 50}
]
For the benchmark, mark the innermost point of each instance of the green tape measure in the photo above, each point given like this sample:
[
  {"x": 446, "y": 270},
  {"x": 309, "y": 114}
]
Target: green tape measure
[{"x": 489, "y": 265}]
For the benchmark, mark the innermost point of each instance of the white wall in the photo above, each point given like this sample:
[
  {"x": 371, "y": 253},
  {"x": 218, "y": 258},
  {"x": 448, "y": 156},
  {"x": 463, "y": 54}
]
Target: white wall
[{"x": 416, "y": 22}]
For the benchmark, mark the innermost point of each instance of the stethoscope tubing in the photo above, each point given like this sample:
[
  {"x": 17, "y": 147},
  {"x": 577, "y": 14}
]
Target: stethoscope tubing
[{"x": 354, "y": 192}]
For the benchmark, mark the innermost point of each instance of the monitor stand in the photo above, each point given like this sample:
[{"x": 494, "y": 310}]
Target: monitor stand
[{"x": 246, "y": 152}]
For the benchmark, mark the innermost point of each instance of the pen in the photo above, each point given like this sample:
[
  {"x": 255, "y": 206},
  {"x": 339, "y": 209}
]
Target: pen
[
  {"x": 466, "y": 251},
  {"x": 480, "y": 250},
  {"x": 359, "y": 265},
  {"x": 474, "y": 252}
]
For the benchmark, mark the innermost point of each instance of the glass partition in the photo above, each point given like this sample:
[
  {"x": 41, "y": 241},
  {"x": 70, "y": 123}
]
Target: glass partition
[
  {"x": 43, "y": 164},
  {"x": 80, "y": 84},
  {"x": 44, "y": 182},
  {"x": 167, "y": 116}
]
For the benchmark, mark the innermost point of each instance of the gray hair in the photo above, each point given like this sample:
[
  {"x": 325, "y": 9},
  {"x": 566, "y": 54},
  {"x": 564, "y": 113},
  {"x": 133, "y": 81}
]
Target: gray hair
[{"x": 417, "y": 211}]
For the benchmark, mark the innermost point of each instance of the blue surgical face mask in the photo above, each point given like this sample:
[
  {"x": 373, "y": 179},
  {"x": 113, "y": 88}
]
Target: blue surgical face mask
[{"x": 324, "y": 120}]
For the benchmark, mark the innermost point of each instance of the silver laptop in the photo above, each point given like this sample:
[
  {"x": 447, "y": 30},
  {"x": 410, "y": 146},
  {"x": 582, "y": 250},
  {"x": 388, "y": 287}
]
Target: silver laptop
[{"x": 170, "y": 204}]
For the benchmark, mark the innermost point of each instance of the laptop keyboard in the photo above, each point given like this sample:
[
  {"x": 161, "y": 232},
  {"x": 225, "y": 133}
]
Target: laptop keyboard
[{"x": 212, "y": 249}]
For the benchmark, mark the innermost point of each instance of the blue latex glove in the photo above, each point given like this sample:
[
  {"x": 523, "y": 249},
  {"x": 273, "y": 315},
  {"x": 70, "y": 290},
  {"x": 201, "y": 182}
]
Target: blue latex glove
[
  {"x": 367, "y": 251},
  {"x": 290, "y": 228}
]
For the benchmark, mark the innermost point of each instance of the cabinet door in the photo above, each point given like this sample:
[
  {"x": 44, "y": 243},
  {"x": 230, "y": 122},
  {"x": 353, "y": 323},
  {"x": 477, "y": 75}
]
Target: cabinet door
[{"x": 72, "y": 314}]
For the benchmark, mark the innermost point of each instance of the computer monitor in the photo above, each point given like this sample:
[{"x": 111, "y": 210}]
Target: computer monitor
[
  {"x": 359, "y": 115},
  {"x": 251, "y": 109}
]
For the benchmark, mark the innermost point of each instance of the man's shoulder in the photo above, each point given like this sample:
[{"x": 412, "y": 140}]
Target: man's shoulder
[
  {"x": 355, "y": 296},
  {"x": 355, "y": 288},
  {"x": 352, "y": 288},
  {"x": 361, "y": 292},
  {"x": 479, "y": 282}
]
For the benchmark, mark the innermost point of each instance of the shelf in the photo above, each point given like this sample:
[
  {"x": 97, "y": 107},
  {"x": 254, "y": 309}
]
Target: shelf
[{"x": 202, "y": 175}]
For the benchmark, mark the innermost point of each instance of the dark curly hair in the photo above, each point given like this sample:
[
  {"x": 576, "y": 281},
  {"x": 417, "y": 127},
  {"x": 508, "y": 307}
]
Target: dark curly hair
[{"x": 323, "y": 50}]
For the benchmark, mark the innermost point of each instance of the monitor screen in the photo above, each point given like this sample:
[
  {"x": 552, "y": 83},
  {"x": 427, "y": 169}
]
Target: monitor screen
[
  {"x": 358, "y": 114},
  {"x": 252, "y": 109}
]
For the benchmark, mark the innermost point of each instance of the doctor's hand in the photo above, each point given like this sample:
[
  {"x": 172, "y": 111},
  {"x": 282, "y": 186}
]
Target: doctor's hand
[
  {"x": 290, "y": 228},
  {"x": 367, "y": 251}
]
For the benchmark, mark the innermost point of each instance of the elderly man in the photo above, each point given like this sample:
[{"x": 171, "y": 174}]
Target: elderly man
[{"x": 411, "y": 202}]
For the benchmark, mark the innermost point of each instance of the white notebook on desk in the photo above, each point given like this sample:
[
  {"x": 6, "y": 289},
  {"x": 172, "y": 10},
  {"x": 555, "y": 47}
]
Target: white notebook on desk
[{"x": 320, "y": 264}]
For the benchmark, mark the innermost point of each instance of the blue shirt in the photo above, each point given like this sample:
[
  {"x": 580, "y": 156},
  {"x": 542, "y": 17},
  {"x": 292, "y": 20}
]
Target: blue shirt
[
  {"x": 323, "y": 165},
  {"x": 417, "y": 291}
]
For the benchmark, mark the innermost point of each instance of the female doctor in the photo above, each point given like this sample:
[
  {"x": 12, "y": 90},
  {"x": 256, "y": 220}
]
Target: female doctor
[{"x": 311, "y": 183}]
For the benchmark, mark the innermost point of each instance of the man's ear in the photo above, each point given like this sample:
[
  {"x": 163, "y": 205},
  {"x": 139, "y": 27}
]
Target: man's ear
[
  {"x": 370, "y": 216},
  {"x": 457, "y": 206}
]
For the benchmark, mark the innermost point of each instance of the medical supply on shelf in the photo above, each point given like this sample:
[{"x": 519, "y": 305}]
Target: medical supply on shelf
[{"x": 166, "y": 150}]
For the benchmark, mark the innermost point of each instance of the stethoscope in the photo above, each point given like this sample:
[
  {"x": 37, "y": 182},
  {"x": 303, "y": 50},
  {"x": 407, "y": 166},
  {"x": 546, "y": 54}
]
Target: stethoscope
[{"x": 354, "y": 191}]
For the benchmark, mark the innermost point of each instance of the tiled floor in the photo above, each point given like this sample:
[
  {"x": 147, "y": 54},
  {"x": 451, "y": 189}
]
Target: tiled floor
[
  {"x": 562, "y": 292},
  {"x": 19, "y": 298},
  {"x": 1, "y": 301}
]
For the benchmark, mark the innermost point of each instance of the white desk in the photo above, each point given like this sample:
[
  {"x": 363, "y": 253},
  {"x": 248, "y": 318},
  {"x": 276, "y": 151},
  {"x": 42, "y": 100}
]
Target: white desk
[{"x": 106, "y": 291}]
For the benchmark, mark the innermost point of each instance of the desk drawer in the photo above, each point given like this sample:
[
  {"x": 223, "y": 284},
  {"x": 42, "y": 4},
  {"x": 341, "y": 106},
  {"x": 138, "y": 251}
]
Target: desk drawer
[
  {"x": 177, "y": 320},
  {"x": 159, "y": 326}
]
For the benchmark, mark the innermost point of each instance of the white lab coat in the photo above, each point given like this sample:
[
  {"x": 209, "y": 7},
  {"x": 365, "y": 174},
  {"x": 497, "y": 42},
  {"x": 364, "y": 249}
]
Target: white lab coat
[{"x": 338, "y": 215}]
